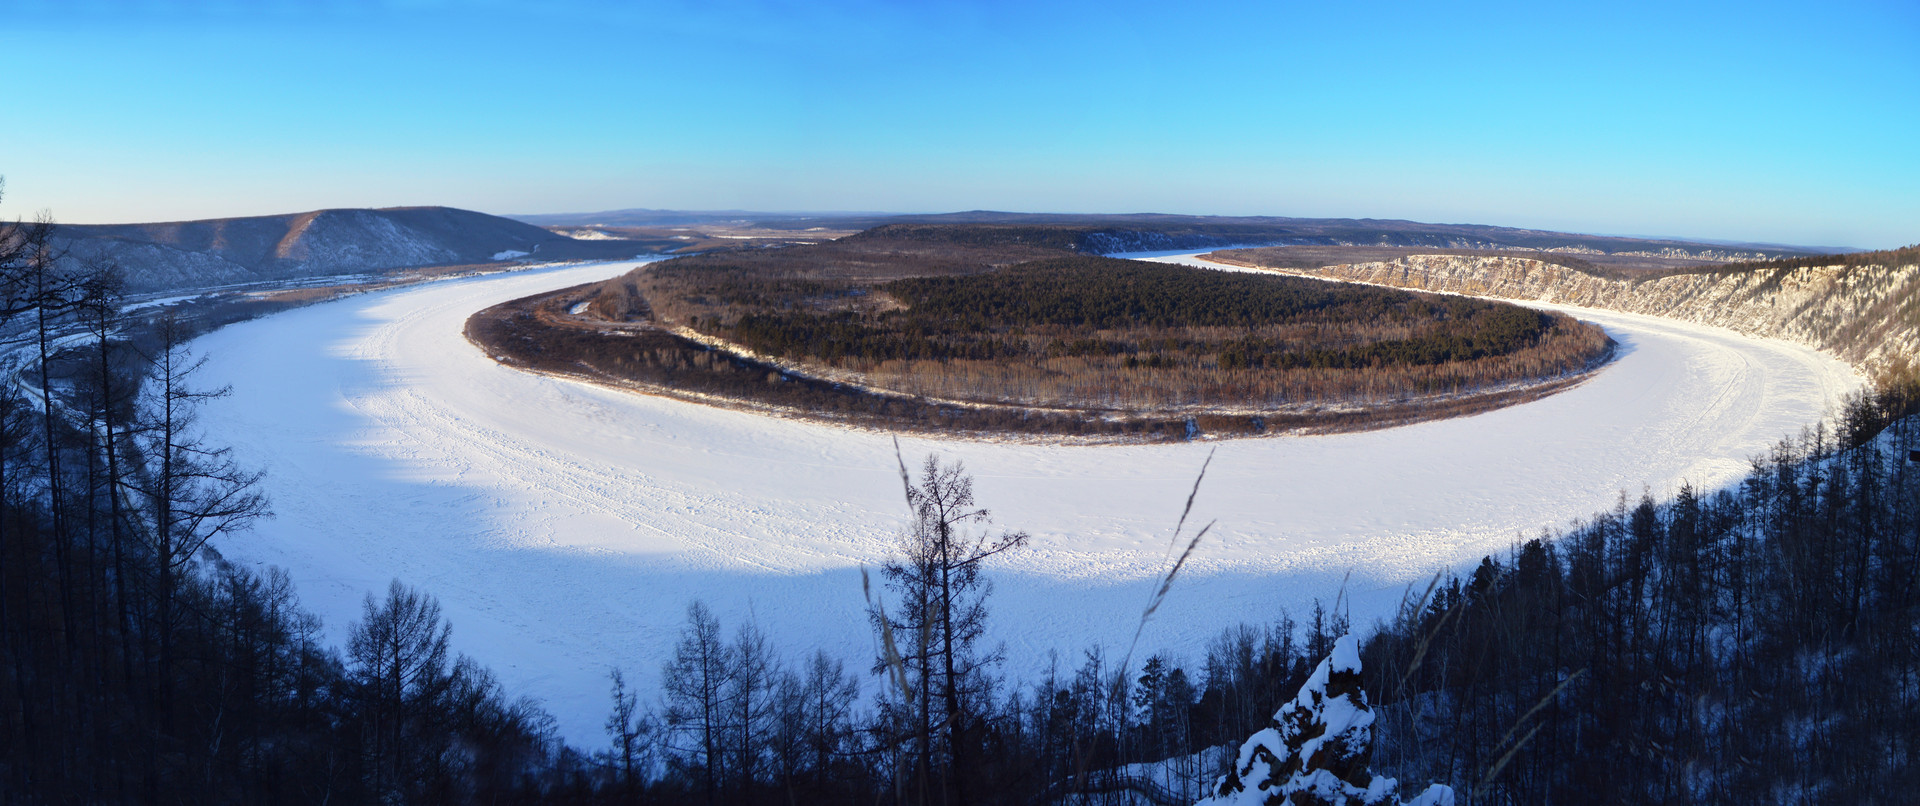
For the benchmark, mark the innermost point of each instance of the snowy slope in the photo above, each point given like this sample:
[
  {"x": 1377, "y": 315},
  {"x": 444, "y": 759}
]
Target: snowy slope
[
  {"x": 1862, "y": 313},
  {"x": 322, "y": 243},
  {"x": 565, "y": 527}
]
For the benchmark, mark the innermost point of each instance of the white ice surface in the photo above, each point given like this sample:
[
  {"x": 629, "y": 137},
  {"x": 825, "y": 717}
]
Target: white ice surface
[{"x": 566, "y": 527}]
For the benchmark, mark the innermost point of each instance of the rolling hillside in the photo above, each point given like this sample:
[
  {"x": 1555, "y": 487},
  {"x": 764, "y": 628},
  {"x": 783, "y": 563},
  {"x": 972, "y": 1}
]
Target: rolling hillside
[
  {"x": 1137, "y": 232},
  {"x": 190, "y": 254}
]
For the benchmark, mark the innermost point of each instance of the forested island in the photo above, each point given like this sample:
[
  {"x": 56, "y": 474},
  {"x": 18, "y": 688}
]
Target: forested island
[{"x": 982, "y": 329}]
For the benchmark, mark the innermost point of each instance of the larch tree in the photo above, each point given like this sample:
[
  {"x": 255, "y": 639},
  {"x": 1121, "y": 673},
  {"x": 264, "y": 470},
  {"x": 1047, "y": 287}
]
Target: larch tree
[
  {"x": 695, "y": 684},
  {"x": 401, "y": 671},
  {"x": 937, "y": 573},
  {"x": 195, "y": 491}
]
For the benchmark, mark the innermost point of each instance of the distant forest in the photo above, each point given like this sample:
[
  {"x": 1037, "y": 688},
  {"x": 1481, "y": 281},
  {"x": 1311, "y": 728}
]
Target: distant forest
[
  {"x": 1071, "y": 332},
  {"x": 970, "y": 317},
  {"x": 1105, "y": 234},
  {"x": 1903, "y": 256}
]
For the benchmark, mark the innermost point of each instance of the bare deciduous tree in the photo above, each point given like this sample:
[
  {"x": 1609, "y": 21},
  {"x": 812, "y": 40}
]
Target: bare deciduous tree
[
  {"x": 937, "y": 573},
  {"x": 633, "y": 737},
  {"x": 695, "y": 684},
  {"x": 195, "y": 491},
  {"x": 401, "y": 670}
]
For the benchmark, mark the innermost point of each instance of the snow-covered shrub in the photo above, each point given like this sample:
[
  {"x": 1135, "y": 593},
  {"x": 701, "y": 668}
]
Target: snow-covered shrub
[{"x": 1317, "y": 750}]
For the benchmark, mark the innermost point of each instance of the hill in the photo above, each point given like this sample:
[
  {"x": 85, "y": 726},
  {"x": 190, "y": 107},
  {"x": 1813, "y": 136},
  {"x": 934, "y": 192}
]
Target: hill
[
  {"x": 225, "y": 251},
  {"x": 322, "y": 243},
  {"x": 1135, "y": 232},
  {"x": 1106, "y": 234},
  {"x": 644, "y": 217}
]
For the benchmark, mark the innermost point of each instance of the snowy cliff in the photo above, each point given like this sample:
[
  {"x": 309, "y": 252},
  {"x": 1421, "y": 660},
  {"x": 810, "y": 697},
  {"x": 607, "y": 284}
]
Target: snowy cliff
[{"x": 1866, "y": 315}]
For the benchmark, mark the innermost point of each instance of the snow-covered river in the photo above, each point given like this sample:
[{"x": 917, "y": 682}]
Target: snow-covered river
[{"x": 565, "y": 528}]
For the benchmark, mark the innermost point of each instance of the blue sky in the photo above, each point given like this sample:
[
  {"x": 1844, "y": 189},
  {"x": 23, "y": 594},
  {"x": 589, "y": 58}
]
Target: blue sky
[{"x": 1781, "y": 122}]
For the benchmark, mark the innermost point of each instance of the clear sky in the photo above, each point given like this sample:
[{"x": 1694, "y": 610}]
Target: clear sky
[{"x": 1782, "y": 122}]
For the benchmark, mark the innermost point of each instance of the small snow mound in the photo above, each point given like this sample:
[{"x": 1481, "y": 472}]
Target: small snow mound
[
  {"x": 1318, "y": 748},
  {"x": 509, "y": 254},
  {"x": 589, "y": 234}
]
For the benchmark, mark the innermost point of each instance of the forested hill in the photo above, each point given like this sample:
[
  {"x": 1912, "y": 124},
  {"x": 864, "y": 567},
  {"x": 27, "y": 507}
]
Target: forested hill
[
  {"x": 185, "y": 254},
  {"x": 1107, "y": 234},
  {"x": 1134, "y": 232},
  {"x": 1903, "y": 256}
]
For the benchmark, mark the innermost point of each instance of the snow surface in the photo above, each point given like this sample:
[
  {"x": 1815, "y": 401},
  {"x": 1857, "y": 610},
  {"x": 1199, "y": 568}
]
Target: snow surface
[
  {"x": 590, "y": 235},
  {"x": 509, "y": 254},
  {"x": 1346, "y": 654},
  {"x": 565, "y": 528},
  {"x": 159, "y": 302}
]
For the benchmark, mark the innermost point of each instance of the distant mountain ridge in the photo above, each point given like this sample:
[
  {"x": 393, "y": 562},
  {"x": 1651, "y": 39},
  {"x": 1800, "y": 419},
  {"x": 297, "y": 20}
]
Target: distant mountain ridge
[
  {"x": 227, "y": 251},
  {"x": 1142, "y": 232},
  {"x": 184, "y": 254},
  {"x": 648, "y": 217}
]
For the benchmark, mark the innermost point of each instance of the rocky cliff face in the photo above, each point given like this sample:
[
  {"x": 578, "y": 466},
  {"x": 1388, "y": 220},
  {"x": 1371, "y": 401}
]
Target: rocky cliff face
[{"x": 1866, "y": 315}]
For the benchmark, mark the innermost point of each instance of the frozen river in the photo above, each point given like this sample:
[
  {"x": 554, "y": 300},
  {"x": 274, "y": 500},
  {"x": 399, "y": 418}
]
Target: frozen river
[{"x": 566, "y": 527}]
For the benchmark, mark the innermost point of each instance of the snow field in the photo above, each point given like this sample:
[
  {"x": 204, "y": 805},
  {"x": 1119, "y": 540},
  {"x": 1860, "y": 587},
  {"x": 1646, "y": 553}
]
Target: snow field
[{"x": 565, "y": 527}]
